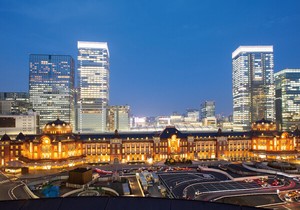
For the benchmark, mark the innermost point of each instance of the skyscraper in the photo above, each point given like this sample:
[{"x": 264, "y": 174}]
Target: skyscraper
[
  {"x": 118, "y": 118},
  {"x": 287, "y": 87},
  {"x": 93, "y": 70},
  {"x": 208, "y": 109},
  {"x": 51, "y": 87},
  {"x": 253, "y": 85},
  {"x": 14, "y": 103},
  {"x": 192, "y": 115}
]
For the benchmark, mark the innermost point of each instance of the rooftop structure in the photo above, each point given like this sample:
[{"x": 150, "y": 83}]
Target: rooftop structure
[{"x": 246, "y": 49}]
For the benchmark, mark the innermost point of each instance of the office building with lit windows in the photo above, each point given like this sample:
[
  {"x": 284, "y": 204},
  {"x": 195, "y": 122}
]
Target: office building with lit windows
[
  {"x": 93, "y": 97},
  {"x": 118, "y": 118},
  {"x": 51, "y": 87},
  {"x": 253, "y": 85},
  {"x": 208, "y": 109},
  {"x": 192, "y": 115},
  {"x": 287, "y": 88},
  {"x": 12, "y": 124},
  {"x": 14, "y": 103}
]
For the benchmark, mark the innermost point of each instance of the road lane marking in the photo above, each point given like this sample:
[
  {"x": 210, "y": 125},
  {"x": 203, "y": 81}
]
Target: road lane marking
[{"x": 11, "y": 192}]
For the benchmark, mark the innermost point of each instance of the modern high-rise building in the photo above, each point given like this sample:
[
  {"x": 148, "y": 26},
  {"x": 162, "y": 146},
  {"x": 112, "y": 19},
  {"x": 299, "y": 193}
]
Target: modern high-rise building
[
  {"x": 208, "y": 109},
  {"x": 253, "y": 85},
  {"x": 192, "y": 115},
  {"x": 287, "y": 88},
  {"x": 118, "y": 118},
  {"x": 93, "y": 97},
  {"x": 51, "y": 87},
  {"x": 14, "y": 103}
]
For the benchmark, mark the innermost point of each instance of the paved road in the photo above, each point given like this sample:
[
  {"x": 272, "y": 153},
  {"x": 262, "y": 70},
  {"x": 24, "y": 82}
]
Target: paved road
[
  {"x": 13, "y": 190},
  {"x": 179, "y": 180},
  {"x": 211, "y": 196},
  {"x": 287, "y": 206},
  {"x": 154, "y": 191},
  {"x": 3, "y": 177},
  {"x": 134, "y": 186},
  {"x": 5, "y": 186},
  {"x": 18, "y": 191}
]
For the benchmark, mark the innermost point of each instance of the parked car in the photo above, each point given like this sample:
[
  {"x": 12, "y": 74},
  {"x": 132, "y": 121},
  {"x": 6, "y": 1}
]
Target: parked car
[
  {"x": 265, "y": 184},
  {"x": 197, "y": 193},
  {"x": 275, "y": 182},
  {"x": 288, "y": 198}
]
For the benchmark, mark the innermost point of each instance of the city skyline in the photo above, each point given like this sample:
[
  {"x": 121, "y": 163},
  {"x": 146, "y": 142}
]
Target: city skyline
[{"x": 152, "y": 47}]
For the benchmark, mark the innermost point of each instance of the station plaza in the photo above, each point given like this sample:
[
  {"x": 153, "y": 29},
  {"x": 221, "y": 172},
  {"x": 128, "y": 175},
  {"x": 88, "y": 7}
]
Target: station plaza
[{"x": 191, "y": 184}]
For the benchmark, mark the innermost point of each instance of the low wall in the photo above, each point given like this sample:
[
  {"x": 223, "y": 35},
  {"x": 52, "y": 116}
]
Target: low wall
[
  {"x": 71, "y": 185},
  {"x": 248, "y": 177},
  {"x": 269, "y": 171},
  {"x": 72, "y": 192},
  {"x": 110, "y": 190},
  {"x": 239, "y": 195},
  {"x": 245, "y": 173},
  {"x": 104, "y": 179},
  {"x": 216, "y": 170},
  {"x": 90, "y": 188},
  {"x": 106, "y": 189},
  {"x": 292, "y": 171},
  {"x": 30, "y": 193}
]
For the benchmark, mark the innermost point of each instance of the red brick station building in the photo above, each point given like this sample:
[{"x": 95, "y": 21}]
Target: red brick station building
[{"x": 58, "y": 147}]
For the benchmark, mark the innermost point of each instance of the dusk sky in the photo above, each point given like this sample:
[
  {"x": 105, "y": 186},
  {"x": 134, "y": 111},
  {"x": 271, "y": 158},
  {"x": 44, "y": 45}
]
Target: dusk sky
[{"x": 165, "y": 55}]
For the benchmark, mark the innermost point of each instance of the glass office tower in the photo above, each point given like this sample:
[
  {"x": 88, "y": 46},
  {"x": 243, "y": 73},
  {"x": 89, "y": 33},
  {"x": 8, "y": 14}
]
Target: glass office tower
[
  {"x": 253, "y": 85},
  {"x": 93, "y": 70},
  {"x": 287, "y": 87},
  {"x": 208, "y": 109},
  {"x": 118, "y": 118},
  {"x": 51, "y": 87}
]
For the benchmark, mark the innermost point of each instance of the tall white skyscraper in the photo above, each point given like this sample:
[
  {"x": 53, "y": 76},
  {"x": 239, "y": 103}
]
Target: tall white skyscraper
[
  {"x": 253, "y": 85},
  {"x": 93, "y": 73}
]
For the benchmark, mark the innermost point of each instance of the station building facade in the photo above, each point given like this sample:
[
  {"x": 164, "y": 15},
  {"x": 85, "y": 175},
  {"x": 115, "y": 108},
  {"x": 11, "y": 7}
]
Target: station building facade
[{"x": 58, "y": 147}]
